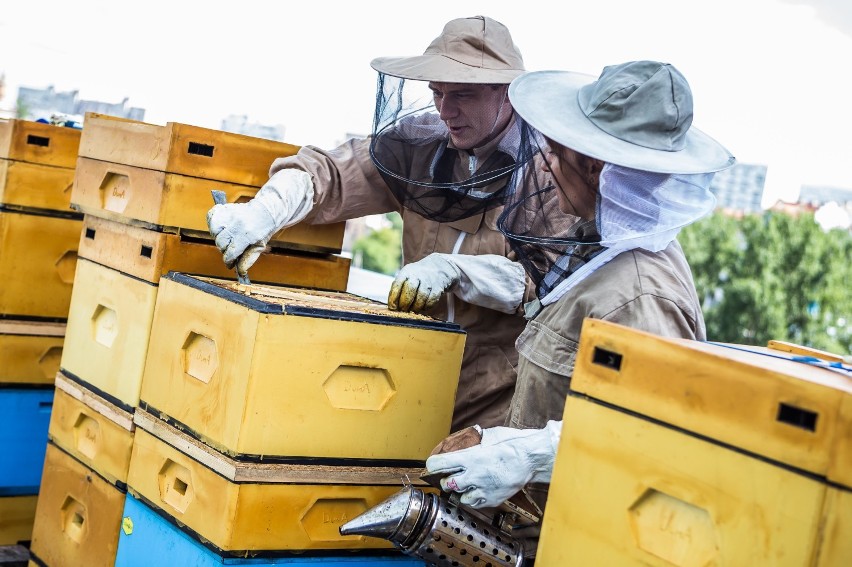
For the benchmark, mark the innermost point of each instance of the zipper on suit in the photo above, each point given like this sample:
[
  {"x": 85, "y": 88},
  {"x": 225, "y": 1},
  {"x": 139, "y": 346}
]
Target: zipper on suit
[{"x": 451, "y": 297}]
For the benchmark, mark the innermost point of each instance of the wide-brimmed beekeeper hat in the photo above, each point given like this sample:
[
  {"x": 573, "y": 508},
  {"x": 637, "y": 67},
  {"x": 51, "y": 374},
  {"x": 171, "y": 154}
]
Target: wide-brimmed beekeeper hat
[
  {"x": 469, "y": 50},
  {"x": 636, "y": 115}
]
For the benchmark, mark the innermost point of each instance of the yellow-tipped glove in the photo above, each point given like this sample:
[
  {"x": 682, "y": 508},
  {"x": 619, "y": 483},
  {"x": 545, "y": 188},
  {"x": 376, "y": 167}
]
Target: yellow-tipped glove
[{"x": 487, "y": 280}]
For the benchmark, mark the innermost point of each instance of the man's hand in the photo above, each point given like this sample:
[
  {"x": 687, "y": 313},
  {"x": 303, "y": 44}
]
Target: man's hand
[
  {"x": 487, "y": 280},
  {"x": 418, "y": 286},
  {"x": 242, "y": 230},
  {"x": 239, "y": 226},
  {"x": 490, "y": 473}
]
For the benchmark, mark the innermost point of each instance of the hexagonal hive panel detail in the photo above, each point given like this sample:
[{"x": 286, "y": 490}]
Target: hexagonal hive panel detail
[
  {"x": 674, "y": 530},
  {"x": 359, "y": 388},
  {"x": 105, "y": 325},
  {"x": 322, "y": 521},
  {"x": 66, "y": 265},
  {"x": 115, "y": 192},
  {"x": 49, "y": 361},
  {"x": 200, "y": 357}
]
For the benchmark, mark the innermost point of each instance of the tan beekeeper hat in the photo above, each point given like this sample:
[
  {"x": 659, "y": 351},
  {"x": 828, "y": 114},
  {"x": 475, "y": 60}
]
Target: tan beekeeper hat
[
  {"x": 637, "y": 114},
  {"x": 469, "y": 50}
]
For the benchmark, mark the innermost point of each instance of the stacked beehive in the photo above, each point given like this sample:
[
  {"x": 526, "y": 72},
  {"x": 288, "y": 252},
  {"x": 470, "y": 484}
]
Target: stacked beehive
[
  {"x": 39, "y": 234},
  {"x": 144, "y": 191},
  {"x": 677, "y": 452},
  {"x": 269, "y": 416}
]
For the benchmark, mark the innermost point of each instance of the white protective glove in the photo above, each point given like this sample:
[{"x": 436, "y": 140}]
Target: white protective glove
[
  {"x": 487, "y": 280},
  {"x": 505, "y": 461},
  {"x": 242, "y": 230}
]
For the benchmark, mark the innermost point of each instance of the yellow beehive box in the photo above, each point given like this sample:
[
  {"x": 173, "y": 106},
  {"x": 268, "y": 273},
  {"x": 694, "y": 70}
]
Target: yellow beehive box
[
  {"x": 78, "y": 515},
  {"x": 147, "y": 255},
  {"x": 30, "y": 351},
  {"x": 161, "y": 176},
  {"x": 94, "y": 431},
  {"x": 273, "y": 371},
  {"x": 245, "y": 508},
  {"x": 35, "y": 142},
  {"x": 106, "y": 340},
  {"x": 17, "y": 515},
  {"x": 836, "y": 545},
  {"x": 182, "y": 149},
  {"x": 34, "y": 186},
  {"x": 110, "y": 314},
  {"x": 630, "y": 491},
  {"x": 677, "y": 452},
  {"x": 38, "y": 254},
  {"x": 791, "y": 412}
]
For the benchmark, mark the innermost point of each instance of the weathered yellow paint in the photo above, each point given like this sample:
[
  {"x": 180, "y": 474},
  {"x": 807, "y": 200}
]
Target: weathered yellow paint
[
  {"x": 35, "y": 142},
  {"x": 17, "y": 515},
  {"x": 743, "y": 398},
  {"x": 109, "y": 323},
  {"x": 30, "y": 351},
  {"x": 836, "y": 545},
  {"x": 92, "y": 438},
  {"x": 148, "y": 254},
  {"x": 627, "y": 491},
  {"x": 840, "y": 455},
  {"x": 249, "y": 516},
  {"x": 792, "y": 348},
  {"x": 222, "y": 156},
  {"x": 122, "y": 192},
  {"x": 38, "y": 254},
  {"x": 283, "y": 384},
  {"x": 78, "y": 515},
  {"x": 33, "y": 185},
  {"x": 677, "y": 452}
]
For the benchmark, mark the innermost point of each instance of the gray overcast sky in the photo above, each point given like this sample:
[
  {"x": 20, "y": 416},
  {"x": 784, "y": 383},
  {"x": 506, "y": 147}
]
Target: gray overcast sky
[{"x": 770, "y": 77}]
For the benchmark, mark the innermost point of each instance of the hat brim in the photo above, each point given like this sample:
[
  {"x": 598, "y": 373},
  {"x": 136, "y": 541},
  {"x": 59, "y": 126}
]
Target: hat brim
[
  {"x": 547, "y": 100},
  {"x": 442, "y": 69}
]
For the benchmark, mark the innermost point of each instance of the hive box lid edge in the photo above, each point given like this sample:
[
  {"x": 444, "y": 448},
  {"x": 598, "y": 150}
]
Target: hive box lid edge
[{"x": 295, "y": 301}]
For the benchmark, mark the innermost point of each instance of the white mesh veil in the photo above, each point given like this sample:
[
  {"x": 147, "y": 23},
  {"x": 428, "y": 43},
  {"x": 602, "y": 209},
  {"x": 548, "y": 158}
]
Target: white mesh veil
[
  {"x": 634, "y": 209},
  {"x": 640, "y": 209}
]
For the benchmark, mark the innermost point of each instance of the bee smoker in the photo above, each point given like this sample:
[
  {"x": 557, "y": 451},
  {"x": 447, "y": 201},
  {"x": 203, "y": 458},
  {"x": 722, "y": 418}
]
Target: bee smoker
[{"x": 437, "y": 530}]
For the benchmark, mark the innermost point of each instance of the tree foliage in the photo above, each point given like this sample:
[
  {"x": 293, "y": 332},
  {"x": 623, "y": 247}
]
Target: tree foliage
[
  {"x": 381, "y": 250},
  {"x": 772, "y": 276}
]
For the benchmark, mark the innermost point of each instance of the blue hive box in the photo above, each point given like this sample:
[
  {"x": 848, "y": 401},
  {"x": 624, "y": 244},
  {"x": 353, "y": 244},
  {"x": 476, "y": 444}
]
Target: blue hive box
[
  {"x": 24, "y": 419},
  {"x": 146, "y": 539}
]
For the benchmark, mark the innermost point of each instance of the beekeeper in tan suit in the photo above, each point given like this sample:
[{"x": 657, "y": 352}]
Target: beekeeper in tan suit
[
  {"x": 445, "y": 161},
  {"x": 632, "y": 170}
]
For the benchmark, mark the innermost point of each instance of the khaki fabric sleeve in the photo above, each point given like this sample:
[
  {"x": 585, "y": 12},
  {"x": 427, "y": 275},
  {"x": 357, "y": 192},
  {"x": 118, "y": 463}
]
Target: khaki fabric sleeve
[{"x": 346, "y": 183}]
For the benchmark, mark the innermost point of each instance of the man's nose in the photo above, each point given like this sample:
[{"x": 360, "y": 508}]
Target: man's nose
[{"x": 448, "y": 110}]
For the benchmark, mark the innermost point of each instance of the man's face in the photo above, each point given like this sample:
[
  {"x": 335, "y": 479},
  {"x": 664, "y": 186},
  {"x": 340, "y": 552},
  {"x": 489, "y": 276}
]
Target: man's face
[
  {"x": 474, "y": 114},
  {"x": 577, "y": 178}
]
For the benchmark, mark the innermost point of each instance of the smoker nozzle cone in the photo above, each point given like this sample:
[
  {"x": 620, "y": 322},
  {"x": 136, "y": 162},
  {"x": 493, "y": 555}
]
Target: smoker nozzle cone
[{"x": 383, "y": 520}]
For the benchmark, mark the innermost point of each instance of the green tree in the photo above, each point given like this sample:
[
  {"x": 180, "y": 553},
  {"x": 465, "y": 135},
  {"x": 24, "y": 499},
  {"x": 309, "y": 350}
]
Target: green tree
[
  {"x": 772, "y": 276},
  {"x": 381, "y": 250}
]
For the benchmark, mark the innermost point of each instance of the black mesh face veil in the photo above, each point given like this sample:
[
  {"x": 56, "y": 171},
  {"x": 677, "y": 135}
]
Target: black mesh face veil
[
  {"x": 411, "y": 147},
  {"x": 549, "y": 243}
]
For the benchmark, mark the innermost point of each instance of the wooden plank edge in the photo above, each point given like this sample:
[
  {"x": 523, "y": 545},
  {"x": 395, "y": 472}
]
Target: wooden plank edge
[{"x": 240, "y": 472}]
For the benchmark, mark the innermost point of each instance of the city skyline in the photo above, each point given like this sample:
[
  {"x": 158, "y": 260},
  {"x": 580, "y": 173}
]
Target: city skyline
[{"x": 759, "y": 70}]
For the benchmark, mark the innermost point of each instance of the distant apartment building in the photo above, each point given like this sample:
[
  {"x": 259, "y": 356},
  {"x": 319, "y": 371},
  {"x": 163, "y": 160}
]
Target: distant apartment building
[
  {"x": 739, "y": 189},
  {"x": 34, "y": 104},
  {"x": 831, "y": 206},
  {"x": 239, "y": 124},
  {"x": 815, "y": 196}
]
